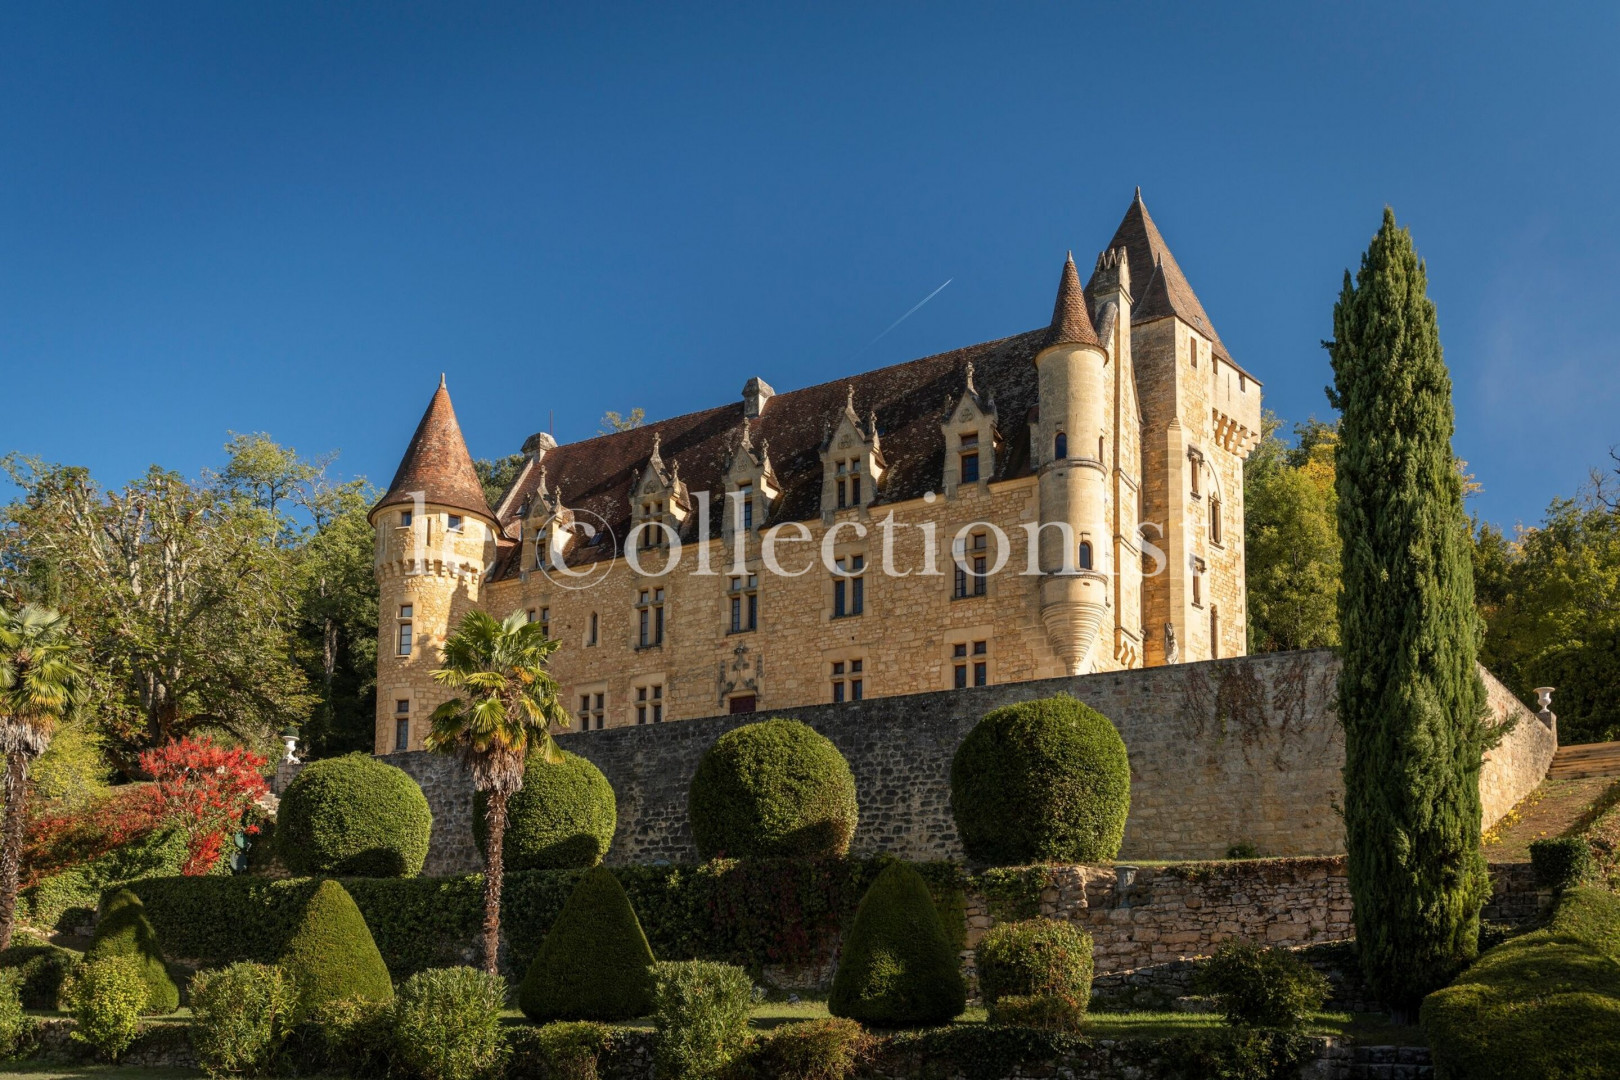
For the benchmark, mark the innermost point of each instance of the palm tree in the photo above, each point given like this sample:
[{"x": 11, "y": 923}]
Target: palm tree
[
  {"x": 39, "y": 682},
  {"x": 510, "y": 704}
]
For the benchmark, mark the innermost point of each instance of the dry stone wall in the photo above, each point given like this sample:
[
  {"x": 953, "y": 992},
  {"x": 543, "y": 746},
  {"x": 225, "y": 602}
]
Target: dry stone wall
[{"x": 1240, "y": 751}]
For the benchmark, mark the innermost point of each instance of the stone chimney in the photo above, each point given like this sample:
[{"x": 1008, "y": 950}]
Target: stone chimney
[{"x": 755, "y": 394}]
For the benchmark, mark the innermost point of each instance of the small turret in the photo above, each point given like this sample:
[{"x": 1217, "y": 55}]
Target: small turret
[
  {"x": 1069, "y": 451},
  {"x": 436, "y": 538}
]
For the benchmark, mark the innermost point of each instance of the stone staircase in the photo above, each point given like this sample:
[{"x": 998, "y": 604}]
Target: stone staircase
[{"x": 1587, "y": 759}]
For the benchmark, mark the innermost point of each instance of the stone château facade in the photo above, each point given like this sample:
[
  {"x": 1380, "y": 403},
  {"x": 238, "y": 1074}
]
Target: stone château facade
[{"x": 1064, "y": 501}]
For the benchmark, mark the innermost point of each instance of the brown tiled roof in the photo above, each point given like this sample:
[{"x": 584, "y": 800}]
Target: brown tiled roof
[
  {"x": 1071, "y": 315},
  {"x": 437, "y": 464},
  {"x": 910, "y": 401},
  {"x": 1160, "y": 288}
]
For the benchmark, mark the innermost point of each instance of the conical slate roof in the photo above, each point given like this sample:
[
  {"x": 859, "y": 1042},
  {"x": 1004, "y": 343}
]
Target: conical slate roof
[
  {"x": 437, "y": 464},
  {"x": 1071, "y": 317},
  {"x": 1161, "y": 288}
]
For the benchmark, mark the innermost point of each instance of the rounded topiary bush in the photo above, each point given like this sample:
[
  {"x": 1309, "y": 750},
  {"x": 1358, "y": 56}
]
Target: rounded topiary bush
[
  {"x": 776, "y": 789},
  {"x": 1041, "y": 781},
  {"x": 562, "y": 819},
  {"x": 353, "y": 816},
  {"x": 898, "y": 969},
  {"x": 595, "y": 964},
  {"x": 124, "y": 930},
  {"x": 331, "y": 955},
  {"x": 1039, "y": 958}
]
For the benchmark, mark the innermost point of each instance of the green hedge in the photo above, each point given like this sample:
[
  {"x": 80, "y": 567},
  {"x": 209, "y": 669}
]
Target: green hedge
[
  {"x": 1041, "y": 781},
  {"x": 757, "y": 913},
  {"x": 1542, "y": 1005},
  {"x": 353, "y": 816},
  {"x": 775, "y": 789},
  {"x": 562, "y": 818}
]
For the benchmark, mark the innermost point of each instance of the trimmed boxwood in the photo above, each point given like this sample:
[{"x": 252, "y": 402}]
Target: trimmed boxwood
[
  {"x": 353, "y": 816},
  {"x": 1039, "y": 958},
  {"x": 41, "y": 968},
  {"x": 124, "y": 930},
  {"x": 1560, "y": 862},
  {"x": 1044, "y": 781},
  {"x": 775, "y": 789},
  {"x": 1541, "y": 1006},
  {"x": 595, "y": 963},
  {"x": 898, "y": 969},
  {"x": 331, "y": 956},
  {"x": 562, "y": 818}
]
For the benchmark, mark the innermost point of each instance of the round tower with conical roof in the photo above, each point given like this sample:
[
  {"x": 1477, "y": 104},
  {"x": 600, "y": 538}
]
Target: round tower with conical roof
[
  {"x": 435, "y": 542},
  {"x": 1069, "y": 454}
]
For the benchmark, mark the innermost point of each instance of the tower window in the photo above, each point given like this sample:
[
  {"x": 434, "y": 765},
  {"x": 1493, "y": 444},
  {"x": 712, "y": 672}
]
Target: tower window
[
  {"x": 971, "y": 570},
  {"x": 405, "y": 519},
  {"x": 593, "y": 637},
  {"x": 453, "y": 522},
  {"x": 744, "y": 604},
  {"x": 1193, "y": 461},
  {"x": 650, "y": 704},
  {"x": 1197, "y": 589},
  {"x": 402, "y": 733},
  {"x": 1192, "y": 350},
  {"x": 848, "y": 680},
  {"x": 1060, "y": 446},
  {"x": 1085, "y": 555},
  {"x": 545, "y": 622},
  {"x": 650, "y": 606},
  {"x": 849, "y": 589},
  {"x": 1215, "y": 519},
  {"x": 1214, "y": 632},
  {"x": 403, "y": 647}
]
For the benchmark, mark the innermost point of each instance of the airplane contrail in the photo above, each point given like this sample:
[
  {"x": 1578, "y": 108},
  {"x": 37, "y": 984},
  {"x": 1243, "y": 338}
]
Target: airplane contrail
[{"x": 915, "y": 308}]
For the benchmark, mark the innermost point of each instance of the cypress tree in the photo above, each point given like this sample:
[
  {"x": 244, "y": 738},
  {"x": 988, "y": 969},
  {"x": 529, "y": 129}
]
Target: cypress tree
[{"x": 1410, "y": 696}]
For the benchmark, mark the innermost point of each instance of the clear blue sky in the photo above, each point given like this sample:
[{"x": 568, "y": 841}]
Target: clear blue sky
[{"x": 291, "y": 217}]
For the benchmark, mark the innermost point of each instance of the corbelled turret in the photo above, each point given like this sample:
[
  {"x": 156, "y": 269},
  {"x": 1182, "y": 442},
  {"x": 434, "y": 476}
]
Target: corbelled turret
[
  {"x": 436, "y": 467},
  {"x": 1069, "y": 452}
]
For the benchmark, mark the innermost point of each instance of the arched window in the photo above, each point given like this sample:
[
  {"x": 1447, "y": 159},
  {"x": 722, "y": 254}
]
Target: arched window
[
  {"x": 1060, "y": 449},
  {"x": 1215, "y": 519},
  {"x": 1085, "y": 555}
]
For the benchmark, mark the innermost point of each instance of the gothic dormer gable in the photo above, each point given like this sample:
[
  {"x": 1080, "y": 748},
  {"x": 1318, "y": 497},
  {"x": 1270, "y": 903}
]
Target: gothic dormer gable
[
  {"x": 751, "y": 485},
  {"x": 971, "y": 437},
  {"x": 659, "y": 502},
  {"x": 852, "y": 460},
  {"x": 548, "y": 533}
]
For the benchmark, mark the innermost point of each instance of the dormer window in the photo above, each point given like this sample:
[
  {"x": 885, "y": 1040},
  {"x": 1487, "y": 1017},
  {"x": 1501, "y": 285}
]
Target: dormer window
[
  {"x": 652, "y": 516},
  {"x": 847, "y": 483},
  {"x": 745, "y": 496},
  {"x": 970, "y": 458}
]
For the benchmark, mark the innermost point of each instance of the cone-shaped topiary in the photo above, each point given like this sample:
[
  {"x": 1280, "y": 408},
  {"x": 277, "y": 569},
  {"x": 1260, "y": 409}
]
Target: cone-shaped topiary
[
  {"x": 596, "y": 963},
  {"x": 898, "y": 968},
  {"x": 776, "y": 789},
  {"x": 353, "y": 816},
  {"x": 1041, "y": 781},
  {"x": 124, "y": 930},
  {"x": 331, "y": 954},
  {"x": 561, "y": 819}
]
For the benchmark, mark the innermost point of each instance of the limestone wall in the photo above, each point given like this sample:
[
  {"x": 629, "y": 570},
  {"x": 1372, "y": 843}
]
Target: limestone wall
[
  {"x": 1515, "y": 766},
  {"x": 1246, "y": 750}
]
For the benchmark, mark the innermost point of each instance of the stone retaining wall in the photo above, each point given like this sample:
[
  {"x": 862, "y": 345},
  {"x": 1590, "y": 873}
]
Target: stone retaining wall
[{"x": 1246, "y": 750}]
